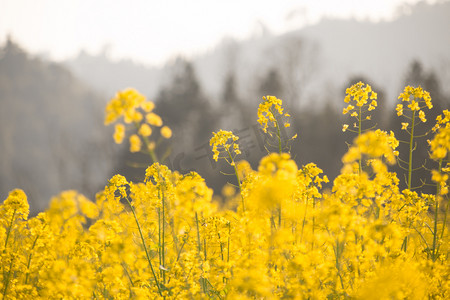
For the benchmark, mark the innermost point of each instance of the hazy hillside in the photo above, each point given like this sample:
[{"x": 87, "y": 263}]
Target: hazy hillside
[
  {"x": 107, "y": 76},
  {"x": 314, "y": 62},
  {"x": 383, "y": 51},
  {"x": 51, "y": 130},
  {"x": 320, "y": 59}
]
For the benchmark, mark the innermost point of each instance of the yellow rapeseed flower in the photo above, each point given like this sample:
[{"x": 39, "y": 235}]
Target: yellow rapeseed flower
[
  {"x": 17, "y": 203},
  {"x": 145, "y": 130},
  {"x": 440, "y": 145},
  {"x": 166, "y": 132},
  {"x": 266, "y": 110},
  {"x": 344, "y": 127},
  {"x": 405, "y": 125},
  {"x": 135, "y": 143},
  {"x": 119, "y": 133},
  {"x": 153, "y": 119},
  {"x": 222, "y": 141}
]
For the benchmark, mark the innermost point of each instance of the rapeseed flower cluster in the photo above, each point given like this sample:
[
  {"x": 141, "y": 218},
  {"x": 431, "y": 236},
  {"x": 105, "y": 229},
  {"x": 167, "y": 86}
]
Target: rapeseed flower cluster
[
  {"x": 361, "y": 100},
  {"x": 281, "y": 236},
  {"x": 273, "y": 121},
  {"x": 134, "y": 108}
]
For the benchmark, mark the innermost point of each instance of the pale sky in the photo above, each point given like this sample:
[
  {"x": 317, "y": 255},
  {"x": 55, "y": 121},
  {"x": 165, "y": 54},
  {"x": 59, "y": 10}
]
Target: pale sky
[{"x": 154, "y": 31}]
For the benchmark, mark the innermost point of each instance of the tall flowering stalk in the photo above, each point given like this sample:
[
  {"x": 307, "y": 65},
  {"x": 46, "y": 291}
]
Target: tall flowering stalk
[
  {"x": 119, "y": 188},
  {"x": 225, "y": 147},
  {"x": 273, "y": 119},
  {"x": 440, "y": 147},
  {"x": 361, "y": 101},
  {"x": 415, "y": 100}
]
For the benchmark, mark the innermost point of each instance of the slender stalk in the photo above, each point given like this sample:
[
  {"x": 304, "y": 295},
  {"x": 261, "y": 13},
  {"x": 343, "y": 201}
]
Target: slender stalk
[
  {"x": 359, "y": 134},
  {"x": 237, "y": 177},
  {"x": 29, "y": 260},
  {"x": 151, "y": 152},
  {"x": 436, "y": 211},
  {"x": 198, "y": 234},
  {"x": 277, "y": 125},
  {"x": 163, "y": 238},
  {"x": 145, "y": 246},
  {"x": 228, "y": 246},
  {"x": 279, "y": 138},
  {"x": 5, "y": 291},
  {"x": 411, "y": 141},
  {"x": 444, "y": 222},
  {"x": 10, "y": 228}
]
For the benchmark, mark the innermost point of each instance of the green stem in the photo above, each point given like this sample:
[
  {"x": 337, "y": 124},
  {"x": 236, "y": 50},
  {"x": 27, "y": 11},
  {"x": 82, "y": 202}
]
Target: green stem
[
  {"x": 163, "y": 238},
  {"x": 279, "y": 138},
  {"x": 436, "y": 210},
  {"x": 151, "y": 152},
  {"x": 359, "y": 134},
  {"x": 29, "y": 260},
  {"x": 10, "y": 228},
  {"x": 198, "y": 234},
  {"x": 444, "y": 223},
  {"x": 5, "y": 291},
  {"x": 145, "y": 246},
  {"x": 279, "y": 216},
  {"x": 229, "y": 239},
  {"x": 277, "y": 125},
  {"x": 237, "y": 177},
  {"x": 411, "y": 141}
]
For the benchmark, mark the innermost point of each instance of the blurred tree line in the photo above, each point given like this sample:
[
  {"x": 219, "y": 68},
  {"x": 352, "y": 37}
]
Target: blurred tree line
[
  {"x": 52, "y": 135},
  {"x": 193, "y": 117}
]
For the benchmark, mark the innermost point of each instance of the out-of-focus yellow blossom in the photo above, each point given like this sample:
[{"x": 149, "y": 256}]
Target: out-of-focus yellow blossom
[
  {"x": 135, "y": 143},
  {"x": 132, "y": 106},
  {"x": 440, "y": 145},
  {"x": 119, "y": 133},
  {"x": 153, "y": 119},
  {"x": 151, "y": 146},
  {"x": 16, "y": 203},
  {"x": 374, "y": 144},
  {"x": 276, "y": 171},
  {"x": 228, "y": 190},
  {"x": 395, "y": 280},
  {"x": 344, "y": 127},
  {"x": 441, "y": 179},
  {"x": 145, "y": 130},
  {"x": 166, "y": 132},
  {"x": 124, "y": 104},
  {"x": 148, "y": 106}
]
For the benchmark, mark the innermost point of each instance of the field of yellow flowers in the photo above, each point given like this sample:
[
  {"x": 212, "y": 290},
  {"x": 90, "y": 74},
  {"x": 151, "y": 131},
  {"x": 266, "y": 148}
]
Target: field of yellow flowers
[{"x": 279, "y": 235}]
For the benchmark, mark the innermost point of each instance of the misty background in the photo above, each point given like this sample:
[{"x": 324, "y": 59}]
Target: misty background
[{"x": 52, "y": 136}]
